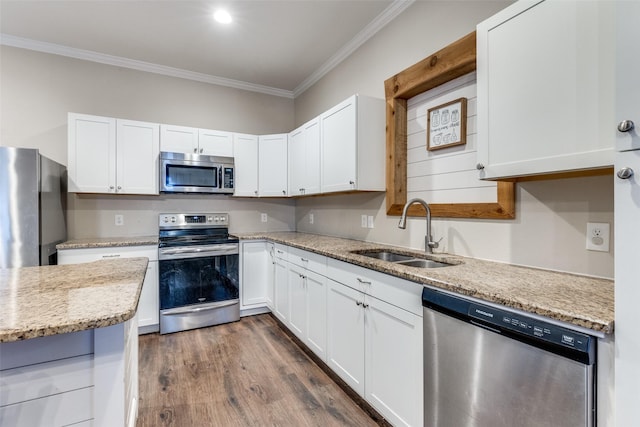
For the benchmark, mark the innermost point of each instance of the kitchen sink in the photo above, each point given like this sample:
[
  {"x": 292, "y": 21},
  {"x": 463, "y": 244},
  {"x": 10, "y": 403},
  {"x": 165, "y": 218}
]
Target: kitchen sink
[
  {"x": 424, "y": 263},
  {"x": 402, "y": 259},
  {"x": 386, "y": 256}
]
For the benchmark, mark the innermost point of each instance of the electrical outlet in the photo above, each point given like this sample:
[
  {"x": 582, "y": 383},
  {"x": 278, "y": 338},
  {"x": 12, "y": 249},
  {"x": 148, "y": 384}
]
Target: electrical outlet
[
  {"x": 370, "y": 221},
  {"x": 310, "y": 218},
  {"x": 363, "y": 221},
  {"x": 119, "y": 219},
  {"x": 263, "y": 217},
  {"x": 598, "y": 236}
]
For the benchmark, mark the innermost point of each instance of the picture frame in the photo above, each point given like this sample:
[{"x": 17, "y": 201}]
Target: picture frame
[{"x": 447, "y": 125}]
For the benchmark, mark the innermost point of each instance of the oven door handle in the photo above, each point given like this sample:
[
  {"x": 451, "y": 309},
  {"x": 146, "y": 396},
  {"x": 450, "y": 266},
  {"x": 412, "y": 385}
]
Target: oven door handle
[
  {"x": 198, "y": 251},
  {"x": 199, "y": 308}
]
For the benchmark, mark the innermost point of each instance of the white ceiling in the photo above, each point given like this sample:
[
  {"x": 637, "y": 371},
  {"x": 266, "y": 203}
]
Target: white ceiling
[{"x": 273, "y": 46}]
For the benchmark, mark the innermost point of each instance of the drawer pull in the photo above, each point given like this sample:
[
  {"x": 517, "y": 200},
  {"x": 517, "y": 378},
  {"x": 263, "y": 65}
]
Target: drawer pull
[{"x": 364, "y": 282}]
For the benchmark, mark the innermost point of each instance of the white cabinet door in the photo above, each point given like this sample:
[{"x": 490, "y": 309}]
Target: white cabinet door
[
  {"x": 272, "y": 165},
  {"x": 345, "y": 334},
  {"x": 215, "y": 142},
  {"x": 545, "y": 88},
  {"x": 92, "y": 154},
  {"x": 178, "y": 139},
  {"x": 255, "y": 268},
  {"x": 338, "y": 129},
  {"x": 148, "y": 306},
  {"x": 627, "y": 71},
  {"x": 304, "y": 159},
  {"x": 627, "y": 212},
  {"x": 137, "y": 152},
  {"x": 393, "y": 362},
  {"x": 281, "y": 290},
  {"x": 245, "y": 150},
  {"x": 297, "y": 301},
  {"x": 271, "y": 271},
  {"x": 316, "y": 311}
]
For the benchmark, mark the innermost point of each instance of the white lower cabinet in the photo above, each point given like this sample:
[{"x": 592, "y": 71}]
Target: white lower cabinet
[
  {"x": 376, "y": 348},
  {"x": 255, "y": 270},
  {"x": 280, "y": 285},
  {"x": 365, "y": 325},
  {"x": 149, "y": 304}
]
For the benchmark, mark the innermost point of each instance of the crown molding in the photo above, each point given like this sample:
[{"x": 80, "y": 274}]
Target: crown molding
[
  {"x": 390, "y": 13},
  {"x": 118, "y": 61},
  {"x": 387, "y": 15}
]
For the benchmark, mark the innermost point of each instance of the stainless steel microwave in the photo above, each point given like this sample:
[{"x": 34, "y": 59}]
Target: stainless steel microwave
[{"x": 196, "y": 173}]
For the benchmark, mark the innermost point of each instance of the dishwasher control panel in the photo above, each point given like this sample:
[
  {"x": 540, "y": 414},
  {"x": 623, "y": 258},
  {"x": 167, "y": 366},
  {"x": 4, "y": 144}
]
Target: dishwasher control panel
[{"x": 528, "y": 326}]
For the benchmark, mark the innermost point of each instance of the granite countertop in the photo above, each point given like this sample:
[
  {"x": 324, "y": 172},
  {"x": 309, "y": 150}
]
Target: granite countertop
[
  {"x": 58, "y": 299},
  {"x": 105, "y": 242},
  {"x": 583, "y": 301}
]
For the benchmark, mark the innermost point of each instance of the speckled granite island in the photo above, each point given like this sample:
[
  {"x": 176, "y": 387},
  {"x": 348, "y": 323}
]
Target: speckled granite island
[
  {"x": 583, "y": 301},
  {"x": 69, "y": 343}
]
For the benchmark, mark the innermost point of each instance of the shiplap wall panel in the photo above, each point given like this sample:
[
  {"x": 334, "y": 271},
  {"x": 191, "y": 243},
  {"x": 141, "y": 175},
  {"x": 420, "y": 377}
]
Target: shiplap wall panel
[{"x": 447, "y": 175}]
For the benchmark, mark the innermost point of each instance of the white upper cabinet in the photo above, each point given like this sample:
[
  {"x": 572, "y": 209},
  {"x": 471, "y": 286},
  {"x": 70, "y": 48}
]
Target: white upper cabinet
[
  {"x": 353, "y": 145},
  {"x": 545, "y": 88},
  {"x": 304, "y": 159},
  {"x": 272, "y": 165},
  {"x": 245, "y": 149},
  {"x": 108, "y": 155},
  {"x": 182, "y": 139},
  {"x": 627, "y": 68},
  {"x": 178, "y": 139},
  {"x": 215, "y": 142}
]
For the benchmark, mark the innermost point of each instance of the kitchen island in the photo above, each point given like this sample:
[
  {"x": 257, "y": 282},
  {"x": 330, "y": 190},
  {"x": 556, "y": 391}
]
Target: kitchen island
[{"x": 68, "y": 343}]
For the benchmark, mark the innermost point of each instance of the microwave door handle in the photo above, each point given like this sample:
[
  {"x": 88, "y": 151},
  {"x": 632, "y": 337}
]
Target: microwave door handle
[{"x": 220, "y": 177}]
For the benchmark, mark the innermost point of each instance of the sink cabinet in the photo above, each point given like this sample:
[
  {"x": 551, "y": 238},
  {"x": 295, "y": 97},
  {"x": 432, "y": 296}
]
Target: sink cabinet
[{"x": 374, "y": 345}]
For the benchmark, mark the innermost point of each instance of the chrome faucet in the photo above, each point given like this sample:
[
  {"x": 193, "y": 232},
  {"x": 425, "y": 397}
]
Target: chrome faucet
[{"x": 428, "y": 243}]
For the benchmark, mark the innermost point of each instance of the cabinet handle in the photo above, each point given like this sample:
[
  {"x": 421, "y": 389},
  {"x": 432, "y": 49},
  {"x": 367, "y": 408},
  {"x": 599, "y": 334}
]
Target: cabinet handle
[
  {"x": 284, "y": 192},
  {"x": 626, "y": 126},
  {"x": 201, "y": 150},
  {"x": 365, "y": 305},
  {"x": 358, "y": 302},
  {"x": 479, "y": 166},
  {"x": 119, "y": 188},
  {"x": 352, "y": 182},
  {"x": 364, "y": 282},
  {"x": 255, "y": 192},
  {"x": 195, "y": 150},
  {"x": 304, "y": 260},
  {"x": 111, "y": 187},
  {"x": 111, "y": 256},
  {"x": 625, "y": 173}
]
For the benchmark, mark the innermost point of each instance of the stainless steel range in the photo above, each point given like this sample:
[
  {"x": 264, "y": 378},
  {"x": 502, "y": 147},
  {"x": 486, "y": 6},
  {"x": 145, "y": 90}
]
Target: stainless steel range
[{"x": 198, "y": 263}]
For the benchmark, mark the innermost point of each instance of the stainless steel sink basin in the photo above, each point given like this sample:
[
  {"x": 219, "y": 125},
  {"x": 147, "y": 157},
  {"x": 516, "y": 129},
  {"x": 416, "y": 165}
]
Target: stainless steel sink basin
[
  {"x": 403, "y": 259},
  {"x": 424, "y": 263},
  {"x": 386, "y": 256}
]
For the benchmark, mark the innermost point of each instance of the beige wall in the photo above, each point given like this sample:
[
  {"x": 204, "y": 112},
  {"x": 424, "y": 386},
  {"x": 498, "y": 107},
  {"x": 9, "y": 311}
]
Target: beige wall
[
  {"x": 551, "y": 216},
  {"x": 38, "y": 90}
]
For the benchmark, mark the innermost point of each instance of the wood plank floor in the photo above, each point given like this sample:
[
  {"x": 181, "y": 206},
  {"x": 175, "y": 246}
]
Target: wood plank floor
[{"x": 246, "y": 373}]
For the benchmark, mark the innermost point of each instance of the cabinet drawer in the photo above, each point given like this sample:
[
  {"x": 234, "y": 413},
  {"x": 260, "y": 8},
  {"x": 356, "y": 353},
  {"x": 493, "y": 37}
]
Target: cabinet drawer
[
  {"x": 399, "y": 292},
  {"x": 309, "y": 260},
  {"x": 45, "y": 379},
  {"x": 77, "y": 256},
  {"x": 281, "y": 252},
  {"x": 61, "y": 409}
]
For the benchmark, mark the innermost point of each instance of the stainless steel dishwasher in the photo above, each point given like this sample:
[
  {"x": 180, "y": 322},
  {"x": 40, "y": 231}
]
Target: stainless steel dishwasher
[{"x": 488, "y": 366}]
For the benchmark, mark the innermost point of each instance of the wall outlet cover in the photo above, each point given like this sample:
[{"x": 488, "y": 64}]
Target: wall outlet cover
[
  {"x": 370, "y": 221},
  {"x": 119, "y": 219},
  {"x": 311, "y": 218},
  {"x": 363, "y": 221},
  {"x": 263, "y": 217},
  {"x": 598, "y": 236}
]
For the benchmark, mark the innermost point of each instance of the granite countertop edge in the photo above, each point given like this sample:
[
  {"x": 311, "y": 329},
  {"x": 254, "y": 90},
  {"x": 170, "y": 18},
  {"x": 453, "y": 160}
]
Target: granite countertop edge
[
  {"x": 52, "y": 300},
  {"x": 583, "y": 301}
]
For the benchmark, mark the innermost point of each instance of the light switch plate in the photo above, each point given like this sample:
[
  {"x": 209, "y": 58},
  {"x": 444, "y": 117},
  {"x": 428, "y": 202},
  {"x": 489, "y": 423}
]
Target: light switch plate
[
  {"x": 370, "y": 221},
  {"x": 363, "y": 221},
  {"x": 598, "y": 236}
]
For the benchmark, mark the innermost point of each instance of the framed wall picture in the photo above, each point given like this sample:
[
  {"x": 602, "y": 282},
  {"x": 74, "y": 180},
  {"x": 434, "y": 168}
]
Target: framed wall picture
[{"x": 447, "y": 125}]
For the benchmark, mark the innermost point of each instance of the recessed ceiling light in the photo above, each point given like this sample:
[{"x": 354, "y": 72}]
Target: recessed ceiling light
[{"x": 222, "y": 16}]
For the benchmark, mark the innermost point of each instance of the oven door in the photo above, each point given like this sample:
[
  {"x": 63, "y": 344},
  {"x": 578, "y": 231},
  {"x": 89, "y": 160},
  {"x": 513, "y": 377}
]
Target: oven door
[{"x": 198, "y": 274}]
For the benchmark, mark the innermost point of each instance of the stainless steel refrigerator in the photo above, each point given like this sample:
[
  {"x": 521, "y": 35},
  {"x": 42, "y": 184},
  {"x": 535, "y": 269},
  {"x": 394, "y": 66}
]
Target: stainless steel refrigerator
[{"x": 33, "y": 198}]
